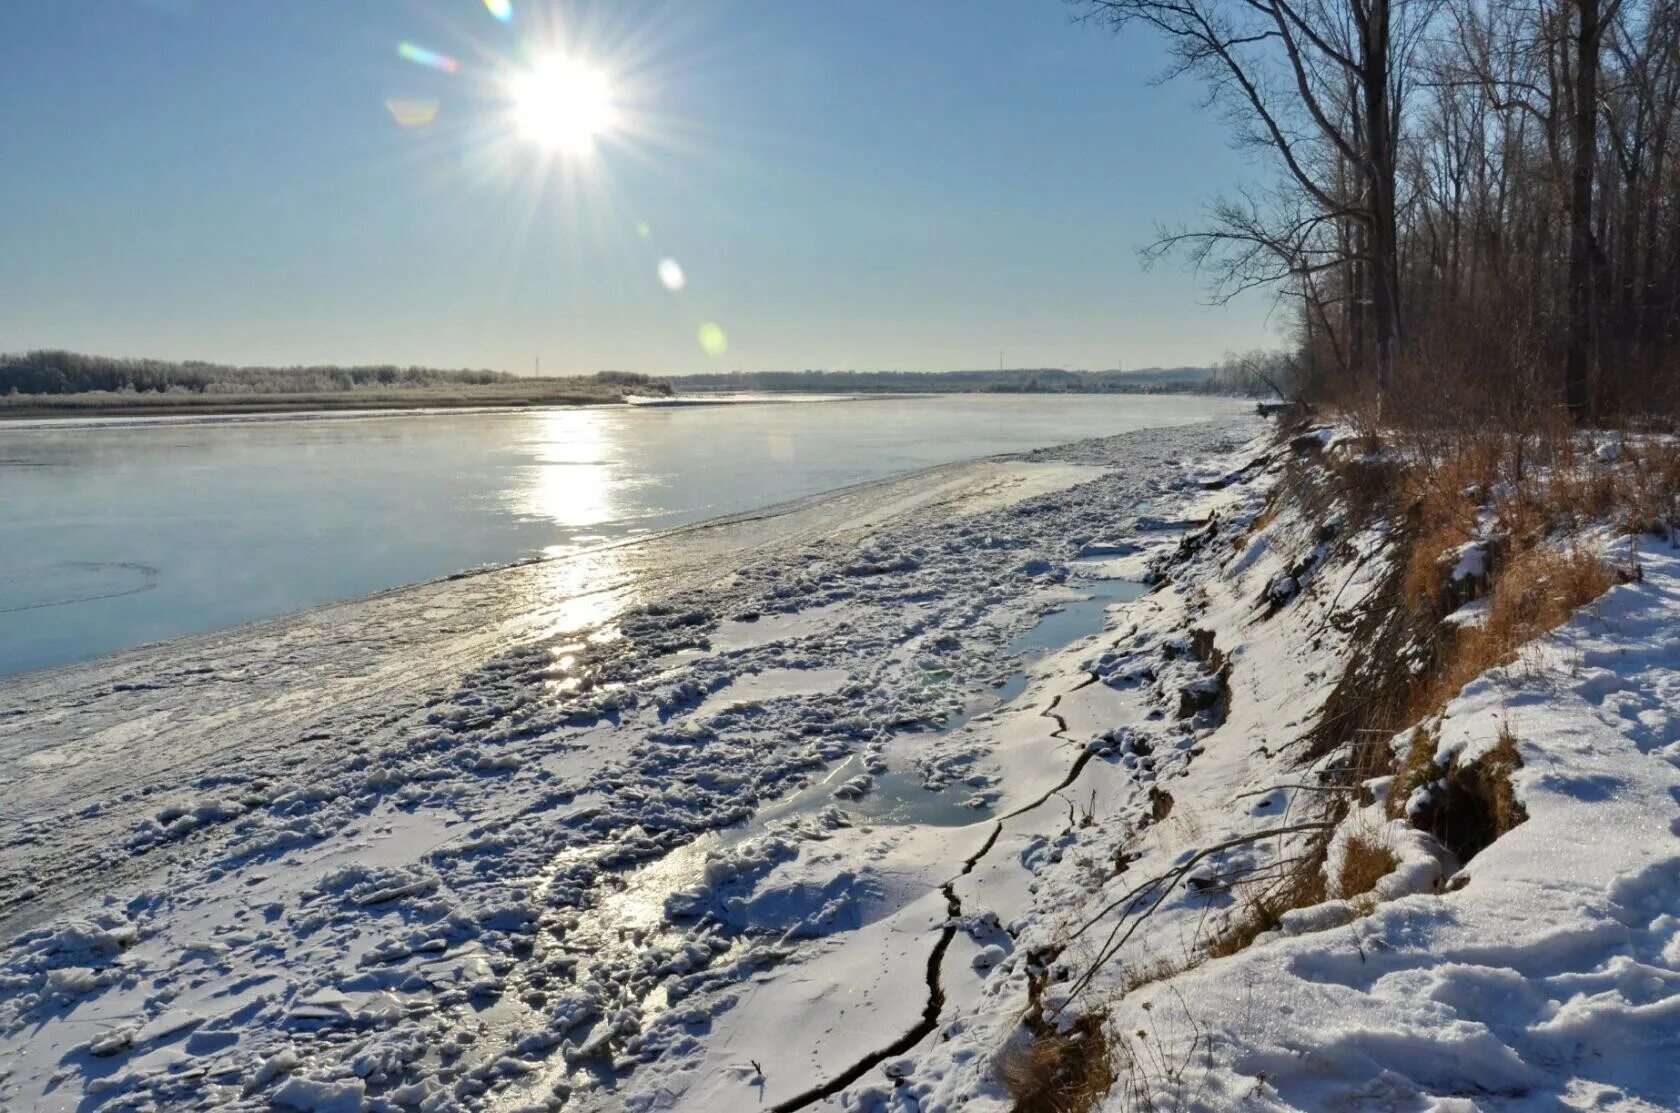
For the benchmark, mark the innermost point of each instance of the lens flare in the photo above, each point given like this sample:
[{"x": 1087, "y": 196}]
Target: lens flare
[
  {"x": 671, "y": 275},
  {"x": 712, "y": 339},
  {"x": 562, "y": 105},
  {"x": 644, "y": 229},
  {"x": 501, "y": 9},
  {"x": 420, "y": 56},
  {"x": 412, "y": 113}
]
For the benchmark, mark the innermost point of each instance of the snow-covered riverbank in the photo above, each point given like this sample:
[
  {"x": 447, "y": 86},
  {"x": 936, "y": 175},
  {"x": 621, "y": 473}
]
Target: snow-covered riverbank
[
  {"x": 424, "y": 806},
  {"x": 841, "y": 808}
]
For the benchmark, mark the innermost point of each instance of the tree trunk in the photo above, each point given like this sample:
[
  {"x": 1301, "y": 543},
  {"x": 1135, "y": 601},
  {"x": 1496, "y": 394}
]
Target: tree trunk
[
  {"x": 1577, "y": 371},
  {"x": 1384, "y": 272}
]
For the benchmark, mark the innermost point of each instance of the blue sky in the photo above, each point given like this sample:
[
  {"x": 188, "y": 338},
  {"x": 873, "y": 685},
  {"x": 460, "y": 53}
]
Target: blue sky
[{"x": 914, "y": 184}]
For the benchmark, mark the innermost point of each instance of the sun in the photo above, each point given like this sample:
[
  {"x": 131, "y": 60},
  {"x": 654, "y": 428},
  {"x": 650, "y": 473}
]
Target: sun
[{"x": 562, "y": 104}]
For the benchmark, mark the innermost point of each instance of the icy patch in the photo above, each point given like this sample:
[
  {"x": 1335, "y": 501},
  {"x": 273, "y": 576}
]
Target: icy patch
[
  {"x": 739, "y": 634},
  {"x": 1080, "y": 618},
  {"x": 773, "y": 684}
]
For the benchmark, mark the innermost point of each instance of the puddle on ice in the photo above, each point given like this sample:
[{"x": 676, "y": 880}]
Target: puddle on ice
[
  {"x": 1078, "y": 619},
  {"x": 895, "y": 796}
]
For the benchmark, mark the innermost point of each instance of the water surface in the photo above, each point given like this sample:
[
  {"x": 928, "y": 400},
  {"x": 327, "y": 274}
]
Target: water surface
[{"x": 115, "y": 535}]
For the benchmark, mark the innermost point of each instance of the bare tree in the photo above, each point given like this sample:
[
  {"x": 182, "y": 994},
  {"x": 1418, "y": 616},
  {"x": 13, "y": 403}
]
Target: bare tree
[{"x": 1320, "y": 84}]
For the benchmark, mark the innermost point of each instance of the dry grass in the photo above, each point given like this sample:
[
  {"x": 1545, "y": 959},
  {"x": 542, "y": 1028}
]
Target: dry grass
[
  {"x": 1159, "y": 1063},
  {"x": 1265, "y": 903},
  {"x": 1366, "y": 860},
  {"x": 1268, "y": 513},
  {"x": 1443, "y": 500},
  {"x": 1066, "y": 1072},
  {"x": 1474, "y": 804},
  {"x": 1535, "y": 592},
  {"x": 1138, "y": 975},
  {"x": 1635, "y": 494},
  {"x": 1417, "y": 767},
  {"x": 1491, "y": 781},
  {"x": 1650, "y": 496}
]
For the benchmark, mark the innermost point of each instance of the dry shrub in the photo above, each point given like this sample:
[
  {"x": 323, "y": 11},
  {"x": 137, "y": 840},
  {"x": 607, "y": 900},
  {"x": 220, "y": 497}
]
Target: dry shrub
[
  {"x": 1490, "y": 780},
  {"x": 1474, "y": 365},
  {"x": 1265, "y": 903},
  {"x": 1366, "y": 860},
  {"x": 1534, "y": 593},
  {"x": 1476, "y": 804},
  {"x": 1637, "y": 493},
  {"x": 1066, "y": 1072},
  {"x": 1417, "y": 767},
  {"x": 1649, "y": 495},
  {"x": 1366, "y": 483}
]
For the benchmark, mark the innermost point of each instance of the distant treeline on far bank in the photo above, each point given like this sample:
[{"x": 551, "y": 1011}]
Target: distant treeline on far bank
[
  {"x": 59, "y": 373},
  {"x": 1225, "y": 378},
  {"x": 49, "y": 382}
]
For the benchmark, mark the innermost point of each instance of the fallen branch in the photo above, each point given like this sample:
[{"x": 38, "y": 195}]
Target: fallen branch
[{"x": 1116, "y": 940}]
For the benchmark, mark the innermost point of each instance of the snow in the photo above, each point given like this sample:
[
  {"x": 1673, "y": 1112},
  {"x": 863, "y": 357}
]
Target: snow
[
  {"x": 814, "y": 819},
  {"x": 555, "y": 854}
]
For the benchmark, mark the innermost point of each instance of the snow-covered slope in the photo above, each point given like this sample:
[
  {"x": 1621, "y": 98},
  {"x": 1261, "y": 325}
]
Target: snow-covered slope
[
  {"x": 1542, "y": 974},
  {"x": 524, "y": 871},
  {"x": 859, "y": 822}
]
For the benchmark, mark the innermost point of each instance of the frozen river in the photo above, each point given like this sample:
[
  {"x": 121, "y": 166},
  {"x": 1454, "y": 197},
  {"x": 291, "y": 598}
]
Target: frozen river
[{"x": 115, "y": 535}]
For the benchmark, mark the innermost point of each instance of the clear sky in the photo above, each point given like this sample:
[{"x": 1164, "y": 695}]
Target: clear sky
[{"x": 913, "y": 184}]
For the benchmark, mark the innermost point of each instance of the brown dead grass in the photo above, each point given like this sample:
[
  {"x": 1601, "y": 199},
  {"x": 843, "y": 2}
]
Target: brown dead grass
[
  {"x": 1068, "y": 1072},
  {"x": 1492, "y": 782},
  {"x": 1650, "y": 492},
  {"x": 1443, "y": 500},
  {"x": 1474, "y": 804},
  {"x": 1158, "y": 970},
  {"x": 1535, "y": 592},
  {"x": 1367, "y": 859},
  {"x": 1417, "y": 767},
  {"x": 1637, "y": 493},
  {"x": 1264, "y": 904}
]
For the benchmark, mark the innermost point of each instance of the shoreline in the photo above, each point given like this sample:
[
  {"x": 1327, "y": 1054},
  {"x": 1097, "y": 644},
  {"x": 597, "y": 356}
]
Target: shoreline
[
  {"x": 114, "y": 417},
  {"x": 413, "y": 641},
  {"x": 163, "y": 769},
  {"x": 657, "y": 832}
]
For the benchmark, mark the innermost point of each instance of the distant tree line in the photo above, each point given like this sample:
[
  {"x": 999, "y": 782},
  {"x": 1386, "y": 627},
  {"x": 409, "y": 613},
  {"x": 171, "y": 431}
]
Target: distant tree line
[
  {"x": 1260, "y": 372},
  {"x": 1042, "y": 380},
  {"x": 61, "y": 372}
]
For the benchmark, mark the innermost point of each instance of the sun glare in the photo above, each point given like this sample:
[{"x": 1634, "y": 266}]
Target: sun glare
[{"x": 562, "y": 105}]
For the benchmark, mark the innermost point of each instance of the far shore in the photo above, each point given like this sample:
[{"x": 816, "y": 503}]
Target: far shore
[
  {"x": 116, "y": 405},
  {"x": 170, "y": 405}
]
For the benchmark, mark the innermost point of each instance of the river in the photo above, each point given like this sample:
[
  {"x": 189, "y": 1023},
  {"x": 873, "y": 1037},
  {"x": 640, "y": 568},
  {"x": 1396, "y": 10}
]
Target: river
[{"x": 119, "y": 534}]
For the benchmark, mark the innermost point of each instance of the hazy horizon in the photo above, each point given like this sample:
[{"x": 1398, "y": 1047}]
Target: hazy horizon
[{"x": 861, "y": 188}]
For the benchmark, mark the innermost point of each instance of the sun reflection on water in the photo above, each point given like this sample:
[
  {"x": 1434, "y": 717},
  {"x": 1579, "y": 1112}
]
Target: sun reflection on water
[
  {"x": 572, "y": 477},
  {"x": 574, "y": 482}
]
